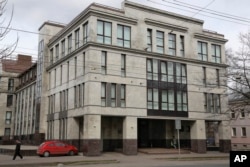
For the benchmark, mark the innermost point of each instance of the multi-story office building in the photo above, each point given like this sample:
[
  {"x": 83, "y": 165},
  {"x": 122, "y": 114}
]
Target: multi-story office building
[
  {"x": 10, "y": 68},
  {"x": 120, "y": 78}
]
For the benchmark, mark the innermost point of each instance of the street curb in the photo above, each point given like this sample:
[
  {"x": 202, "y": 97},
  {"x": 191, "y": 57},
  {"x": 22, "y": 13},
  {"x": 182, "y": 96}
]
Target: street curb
[
  {"x": 203, "y": 158},
  {"x": 70, "y": 163}
]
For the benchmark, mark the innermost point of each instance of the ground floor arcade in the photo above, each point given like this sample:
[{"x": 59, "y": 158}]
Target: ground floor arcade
[{"x": 94, "y": 134}]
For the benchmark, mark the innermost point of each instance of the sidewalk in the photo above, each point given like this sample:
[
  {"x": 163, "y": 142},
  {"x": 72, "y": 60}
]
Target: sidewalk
[{"x": 108, "y": 157}]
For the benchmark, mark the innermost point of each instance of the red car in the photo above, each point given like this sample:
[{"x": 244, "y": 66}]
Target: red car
[{"x": 56, "y": 148}]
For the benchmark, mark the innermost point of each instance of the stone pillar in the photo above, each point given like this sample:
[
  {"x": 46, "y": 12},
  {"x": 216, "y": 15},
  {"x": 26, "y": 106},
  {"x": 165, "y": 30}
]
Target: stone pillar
[
  {"x": 92, "y": 135},
  {"x": 130, "y": 136},
  {"x": 198, "y": 137},
  {"x": 224, "y": 135}
]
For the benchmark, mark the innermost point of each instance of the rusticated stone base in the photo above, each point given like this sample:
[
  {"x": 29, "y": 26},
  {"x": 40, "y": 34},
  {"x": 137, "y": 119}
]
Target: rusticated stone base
[
  {"x": 91, "y": 147},
  {"x": 225, "y": 146},
  {"x": 130, "y": 146},
  {"x": 198, "y": 145}
]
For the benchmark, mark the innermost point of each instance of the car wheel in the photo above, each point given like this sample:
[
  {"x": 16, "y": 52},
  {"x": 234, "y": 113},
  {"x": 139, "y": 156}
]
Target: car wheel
[
  {"x": 46, "y": 154},
  {"x": 71, "y": 153}
]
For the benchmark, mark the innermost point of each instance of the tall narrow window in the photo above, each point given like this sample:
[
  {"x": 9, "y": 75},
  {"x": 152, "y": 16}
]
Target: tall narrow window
[
  {"x": 171, "y": 100},
  {"x": 243, "y": 132},
  {"x": 63, "y": 48},
  {"x": 83, "y": 69},
  {"x": 164, "y": 71},
  {"x": 170, "y": 72},
  {"x": 149, "y": 69},
  {"x": 123, "y": 36},
  {"x": 104, "y": 62},
  {"x": 182, "y": 46},
  {"x": 75, "y": 66},
  {"x": 85, "y": 33},
  {"x": 103, "y": 94},
  {"x": 202, "y": 51},
  {"x": 181, "y": 101},
  {"x": 70, "y": 43},
  {"x": 113, "y": 95},
  {"x": 160, "y": 41},
  {"x": 123, "y": 95},
  {"x": 164, "y": 100},
  {"x": 149, "y": 40},
  {"x": 216, "y": 53},
  {"x": 234, "y": 132},
  {"x": 51, "y": 56},
  {"x": 204, "y": 71},
  {"x": 155, "y": 69},
  {"x": 205, "y": 102},
  {"x": 11, "y": 84},
  {"x": 55, "y": 78},
  {"x": 77, "y": 38},
  {"x": 57, "y": 52},
  {"x": 9, "y": 100},
  {"x": 104, "y": 32},
  {"x": 218, "y": 77},
  {"x": 172, "y": 44},
  {"x": 68, "y": 71},
  {"x": 123, "y": 65},
  {"x": 153, "y": 99},
  {"x": 61, "y": 74},
  {"x": 211, "y": 100},
  {"x": 8, "y": 117},
  {"x": 217, "y": 103}
]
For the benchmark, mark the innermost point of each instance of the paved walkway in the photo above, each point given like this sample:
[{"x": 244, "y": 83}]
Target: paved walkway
[{"x": 109, "y": 157}]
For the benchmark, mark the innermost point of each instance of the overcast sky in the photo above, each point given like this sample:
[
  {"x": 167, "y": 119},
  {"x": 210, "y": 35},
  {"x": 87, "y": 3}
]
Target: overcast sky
[{"x": 29, "y": 15}]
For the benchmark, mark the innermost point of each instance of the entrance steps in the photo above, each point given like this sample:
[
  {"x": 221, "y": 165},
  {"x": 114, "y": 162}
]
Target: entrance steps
[{"x": 162, "y": 151}]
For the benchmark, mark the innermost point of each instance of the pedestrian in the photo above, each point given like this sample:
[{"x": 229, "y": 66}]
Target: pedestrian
[
  {"x": 173, "y": 142},
  {"x": 17, "y": 150}
]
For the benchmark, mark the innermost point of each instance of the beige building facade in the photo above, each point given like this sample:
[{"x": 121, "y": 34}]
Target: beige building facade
[
  {"x": 118, "y": 79},
  {"x": 10, "y": 68}
]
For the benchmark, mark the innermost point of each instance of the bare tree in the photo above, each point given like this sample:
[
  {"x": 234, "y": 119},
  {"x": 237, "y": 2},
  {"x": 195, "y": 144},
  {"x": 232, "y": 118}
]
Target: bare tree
[
  {"x": 5, "y": 28},
  {"x": 239, "y": 74}
]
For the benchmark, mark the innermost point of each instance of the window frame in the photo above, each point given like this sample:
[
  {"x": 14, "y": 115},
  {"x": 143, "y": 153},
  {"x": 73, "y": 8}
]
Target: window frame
[
  {"x": 103, "y": 34},
  {"x": 122, "y": 38},
  {"x": 202, "y": 53}
]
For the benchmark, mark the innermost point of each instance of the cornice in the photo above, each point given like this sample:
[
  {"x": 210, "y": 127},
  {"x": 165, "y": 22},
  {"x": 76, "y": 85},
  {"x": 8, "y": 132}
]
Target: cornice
[
  {"x": 210, "y": 38},
  {"x": 165, "y": 25},
  {"x": 162, "y": 12}
]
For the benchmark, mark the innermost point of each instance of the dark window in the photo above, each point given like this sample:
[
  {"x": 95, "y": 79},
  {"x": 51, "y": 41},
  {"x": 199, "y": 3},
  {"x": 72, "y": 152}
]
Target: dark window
[
  {"x": 77, "y": 38},
  {"x": 104, "y": 62},
  {"x": 57, "y": 52},
  {"x": 63, "y": 48},
  {"x": 182, "y": 46},
  {"x": 123, "y": 65},
  {"x": 70, "y": 43},
  {"x": 11, "y": 84},
  {"x": 9, "y": 100},
  {"x": 103, "y": 94}
]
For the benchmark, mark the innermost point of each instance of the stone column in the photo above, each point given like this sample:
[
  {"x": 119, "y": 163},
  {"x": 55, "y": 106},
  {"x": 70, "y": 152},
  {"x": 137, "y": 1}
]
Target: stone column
[
  {"x": 130, "y": 136},
  {"x": 224, "y": 135},
  {"x": 92, "y": 135},
  {"x": 198, "y": 137}
]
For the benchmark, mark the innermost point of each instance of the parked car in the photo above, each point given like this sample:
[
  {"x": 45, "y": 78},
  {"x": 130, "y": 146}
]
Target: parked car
[{"x": 56, "y": 148}]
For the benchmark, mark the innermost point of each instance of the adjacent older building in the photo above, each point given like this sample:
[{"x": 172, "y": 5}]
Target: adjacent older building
[
  {"x": 10, "y": 68},
  {"x": 25, "y": 120},
  {"x": 120, "y": 78},
  {"x": 240, "y": 123}
]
